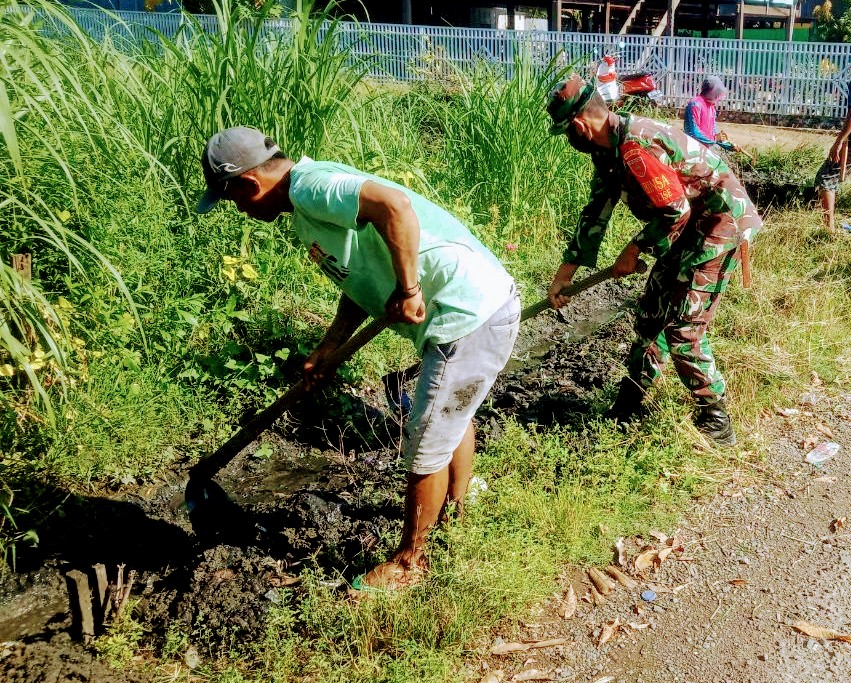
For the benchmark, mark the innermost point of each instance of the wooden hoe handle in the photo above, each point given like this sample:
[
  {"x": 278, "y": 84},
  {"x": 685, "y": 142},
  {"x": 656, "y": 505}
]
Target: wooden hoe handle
[
  {"x": 572, "y": 290},
  {"x": 207, "y": 467}
]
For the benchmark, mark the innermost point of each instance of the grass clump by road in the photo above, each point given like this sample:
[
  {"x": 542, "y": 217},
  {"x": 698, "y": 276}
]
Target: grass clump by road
[{"x": 171, "y": 326}]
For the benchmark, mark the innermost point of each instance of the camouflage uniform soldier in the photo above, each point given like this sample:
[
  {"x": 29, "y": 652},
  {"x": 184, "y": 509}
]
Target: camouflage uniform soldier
[{"x": 698, "y": 221}]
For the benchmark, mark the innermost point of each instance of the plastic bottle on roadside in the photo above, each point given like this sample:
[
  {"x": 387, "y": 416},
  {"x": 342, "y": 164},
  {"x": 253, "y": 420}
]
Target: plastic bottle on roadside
[
  {"x": 474, "y": 488},
  {"x": 822, "y": 453}
]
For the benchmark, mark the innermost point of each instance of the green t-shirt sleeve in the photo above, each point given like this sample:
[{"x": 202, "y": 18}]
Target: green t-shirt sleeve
[{"x": 329, "y": 196}]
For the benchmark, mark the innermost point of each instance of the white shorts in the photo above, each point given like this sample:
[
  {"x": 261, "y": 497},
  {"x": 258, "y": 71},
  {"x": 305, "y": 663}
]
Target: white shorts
[{"x": 454, "y": 380}]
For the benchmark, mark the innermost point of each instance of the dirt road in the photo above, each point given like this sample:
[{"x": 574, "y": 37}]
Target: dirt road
[
  {"x": 760, "y": 137},
  {"x": 771, "y": 550}
]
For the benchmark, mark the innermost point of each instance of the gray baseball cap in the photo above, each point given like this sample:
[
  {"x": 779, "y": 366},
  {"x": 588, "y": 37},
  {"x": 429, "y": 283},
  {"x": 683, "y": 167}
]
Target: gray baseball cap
[{"x": 228, "y": 154}]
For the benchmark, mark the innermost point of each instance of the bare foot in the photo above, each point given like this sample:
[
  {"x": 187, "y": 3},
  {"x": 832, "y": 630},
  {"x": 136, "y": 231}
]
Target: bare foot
[{"x": 391, "y": 576}]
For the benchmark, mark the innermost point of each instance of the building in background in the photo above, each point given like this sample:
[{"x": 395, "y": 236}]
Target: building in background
[
  {"x": 649, "y": 17},
  {"x": 724, "y": 18},
  {"x": 128, "y": 5}
]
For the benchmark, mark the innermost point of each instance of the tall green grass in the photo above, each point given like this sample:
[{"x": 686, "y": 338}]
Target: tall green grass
[{"x": 497, "y": 147}]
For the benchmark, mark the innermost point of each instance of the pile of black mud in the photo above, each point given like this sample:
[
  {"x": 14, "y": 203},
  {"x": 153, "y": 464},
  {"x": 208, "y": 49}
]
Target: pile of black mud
[
  {"x": 57, "y": 661},
  {"x": 563, "y": 359},
  {"x": 322, "y": 491}
]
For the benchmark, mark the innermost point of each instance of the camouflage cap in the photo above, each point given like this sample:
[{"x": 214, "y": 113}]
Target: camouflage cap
[{"x": 567, "y": 100}]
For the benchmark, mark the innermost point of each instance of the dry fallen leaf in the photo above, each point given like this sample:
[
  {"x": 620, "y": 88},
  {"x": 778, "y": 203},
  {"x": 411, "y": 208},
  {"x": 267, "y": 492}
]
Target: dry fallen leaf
[
  {"x": 620, "y": 552},
  {"x": 815, "y": 380},
  {"x": 645, "y": 559},
  {"x": 837, "y": 525},
  {"x": 552, "y": 642},
  {"x": 662, "y": 556},
  {"x": 605, "y": 679},
  {"x": 739, "y": 582},
  {"x": 602, "y": 582},
  {"x": 568, "y": 608},
  {"x": 824, "y": 429},
  {"x": 635, "y": 625},
  {"x": 659, "y": 536},
  {"x": 810, "y": 442},
  {"x": 825, "y": 480},
  {"x": 626, "y": 581},
  {"x": 506, "y": 648},
  {"x": 596, "y": 598},
  {"x": 675, "y": 542},
  {"x": 608, "y": 632},
  {"x": 494, "y": 677},
  {"x": 820, "y": 632}
]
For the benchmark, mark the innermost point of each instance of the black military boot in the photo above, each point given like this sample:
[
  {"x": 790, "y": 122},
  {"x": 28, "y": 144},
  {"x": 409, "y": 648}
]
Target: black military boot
[
  {"x": 628, "y": 405},
  {"x": 713, "y": 420}
]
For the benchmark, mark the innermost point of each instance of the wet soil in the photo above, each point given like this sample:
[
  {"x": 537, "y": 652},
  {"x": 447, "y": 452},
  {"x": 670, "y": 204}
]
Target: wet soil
[{"x": 312, "y": 491}]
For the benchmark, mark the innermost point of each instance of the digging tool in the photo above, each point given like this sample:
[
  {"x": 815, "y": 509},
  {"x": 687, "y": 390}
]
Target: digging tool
[
  {"x": 200, "y": 489},
  {"x": 207, "y": 467},
  {"x": 393, "y": 381},
  {"x": 575, "y": 288},
  {"x": 744, "y": 153}
]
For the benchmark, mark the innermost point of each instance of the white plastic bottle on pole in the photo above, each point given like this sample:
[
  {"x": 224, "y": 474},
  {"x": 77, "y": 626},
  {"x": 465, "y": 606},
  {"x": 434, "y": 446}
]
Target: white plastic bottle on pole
[{"x": 607, "y": 79}]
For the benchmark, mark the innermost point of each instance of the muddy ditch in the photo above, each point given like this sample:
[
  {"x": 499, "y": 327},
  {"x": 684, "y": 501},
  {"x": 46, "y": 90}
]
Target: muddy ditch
[
  {"x": 778, "y": 189},
  {"x": 324, "y": 487}
]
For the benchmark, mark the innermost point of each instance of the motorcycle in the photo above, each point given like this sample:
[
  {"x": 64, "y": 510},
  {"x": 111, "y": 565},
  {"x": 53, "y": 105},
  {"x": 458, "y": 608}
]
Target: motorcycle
[{"x": 615, "y": 89}]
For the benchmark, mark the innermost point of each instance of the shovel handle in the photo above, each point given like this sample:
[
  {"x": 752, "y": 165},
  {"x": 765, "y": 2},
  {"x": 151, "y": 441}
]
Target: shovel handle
[
  {"x": 572, "y": 290},
  {"x": 209, "y": 465}
]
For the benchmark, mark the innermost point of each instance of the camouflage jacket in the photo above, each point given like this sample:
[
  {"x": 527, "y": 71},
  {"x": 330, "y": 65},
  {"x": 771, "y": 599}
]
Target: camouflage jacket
[{"x": 669, "y": 181}]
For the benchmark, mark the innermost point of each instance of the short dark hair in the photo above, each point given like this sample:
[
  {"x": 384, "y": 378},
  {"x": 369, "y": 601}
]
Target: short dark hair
[{"x": 272, "y": 161}]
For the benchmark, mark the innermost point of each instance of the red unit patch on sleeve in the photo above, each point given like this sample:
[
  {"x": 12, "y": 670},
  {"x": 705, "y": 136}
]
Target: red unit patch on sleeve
[{"x": 659, "y": 181}]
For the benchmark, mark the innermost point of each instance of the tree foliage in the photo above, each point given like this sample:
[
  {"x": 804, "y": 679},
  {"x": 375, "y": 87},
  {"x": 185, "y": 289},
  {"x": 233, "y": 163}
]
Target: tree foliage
[{"x": 833, "y": 22}]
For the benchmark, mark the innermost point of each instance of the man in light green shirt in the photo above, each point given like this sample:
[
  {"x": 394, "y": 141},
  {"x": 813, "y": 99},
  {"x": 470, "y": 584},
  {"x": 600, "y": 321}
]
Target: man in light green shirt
[{"x": 394, "y": 253}]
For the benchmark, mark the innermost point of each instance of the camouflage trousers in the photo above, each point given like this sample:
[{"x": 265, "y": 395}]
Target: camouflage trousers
[{"x": 676, "y": 308}]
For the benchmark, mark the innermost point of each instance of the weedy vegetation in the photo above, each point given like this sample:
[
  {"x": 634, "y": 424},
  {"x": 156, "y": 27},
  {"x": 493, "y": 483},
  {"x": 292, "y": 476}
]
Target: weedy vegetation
[{"x": 147, "y": 331}]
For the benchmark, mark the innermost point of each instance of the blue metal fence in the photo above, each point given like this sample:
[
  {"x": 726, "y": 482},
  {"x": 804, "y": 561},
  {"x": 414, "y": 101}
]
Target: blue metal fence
[{"x": 771, "y": 77}]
